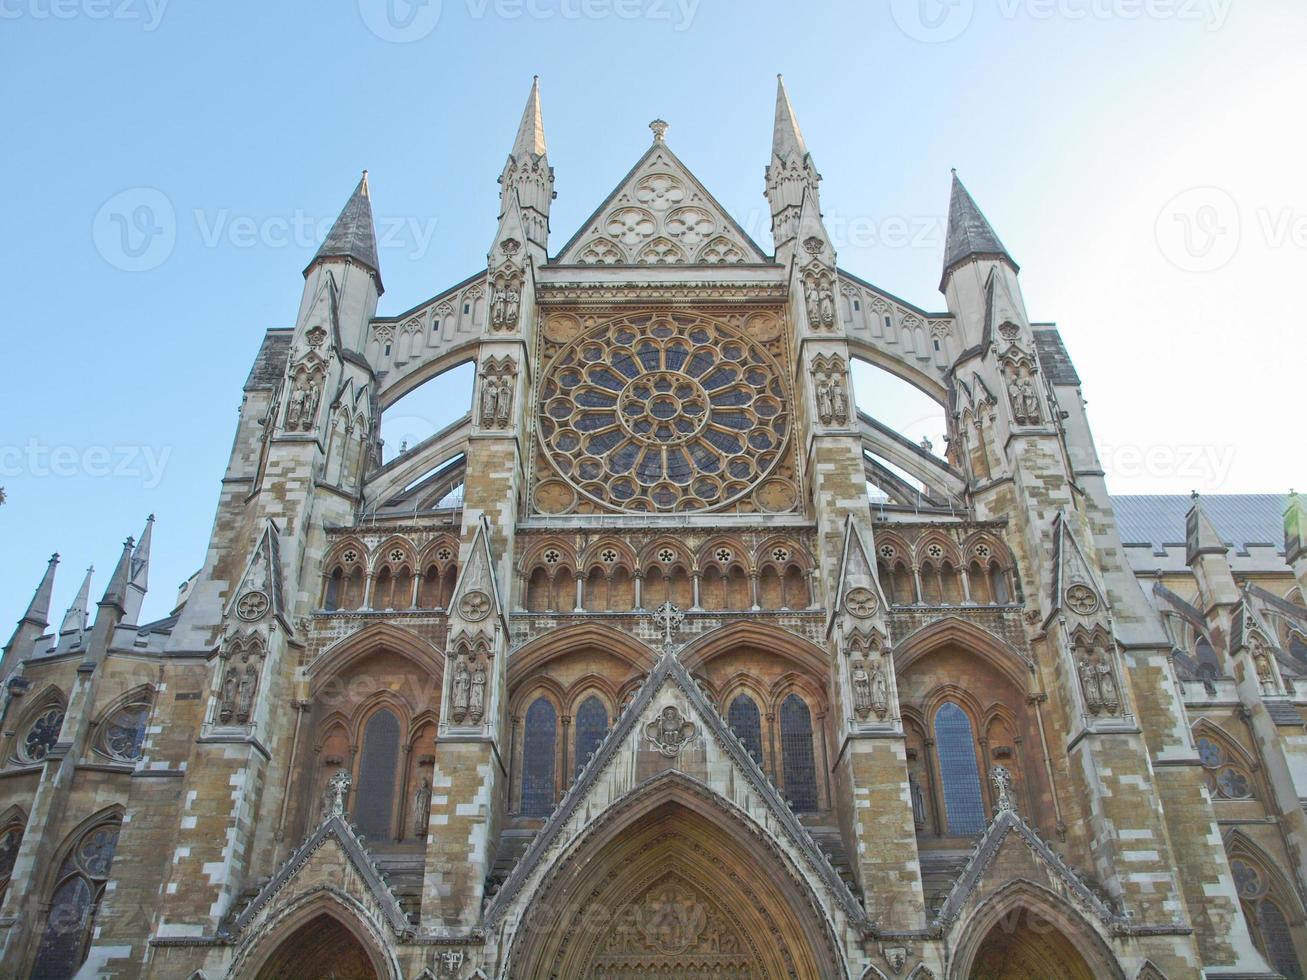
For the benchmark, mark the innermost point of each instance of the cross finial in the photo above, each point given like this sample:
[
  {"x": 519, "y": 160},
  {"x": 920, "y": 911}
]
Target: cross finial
[
  {"x": 669, "y": 617},
  {"x": 339, "y": 785},
  {"x": 659, "y": 128}
]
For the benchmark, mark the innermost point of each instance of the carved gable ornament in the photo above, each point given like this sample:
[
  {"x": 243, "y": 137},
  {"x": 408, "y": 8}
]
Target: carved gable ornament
[
  {"x": 670, "y": 732},
  {"x": 660, "y": 215}
]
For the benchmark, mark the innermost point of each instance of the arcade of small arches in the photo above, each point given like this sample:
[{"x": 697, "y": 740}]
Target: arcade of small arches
[
  {"x": 939, "y": 570},
  {"x": 393, "y": 576},
  {"x": 723, "y": 574}
]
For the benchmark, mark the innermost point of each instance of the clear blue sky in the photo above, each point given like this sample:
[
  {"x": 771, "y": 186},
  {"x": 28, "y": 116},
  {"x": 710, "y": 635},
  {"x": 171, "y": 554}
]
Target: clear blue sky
[{"x": 1083, "y": 127}]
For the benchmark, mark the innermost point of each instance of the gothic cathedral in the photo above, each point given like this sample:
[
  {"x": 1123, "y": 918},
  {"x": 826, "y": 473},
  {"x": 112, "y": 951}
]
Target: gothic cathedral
[{"x": 626, "y": 674}]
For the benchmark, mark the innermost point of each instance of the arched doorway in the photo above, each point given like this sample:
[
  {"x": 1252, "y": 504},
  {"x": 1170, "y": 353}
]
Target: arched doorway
[
  {"x": 321, "y": 947},
  {"x": 1025, "y": 932},
  {"x": 671, "y": 890}
]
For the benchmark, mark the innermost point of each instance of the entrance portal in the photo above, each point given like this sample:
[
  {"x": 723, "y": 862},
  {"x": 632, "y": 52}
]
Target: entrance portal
[{"x": 321, "y": 947}]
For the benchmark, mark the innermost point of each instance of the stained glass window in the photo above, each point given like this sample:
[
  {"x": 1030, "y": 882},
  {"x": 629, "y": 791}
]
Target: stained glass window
[
  {"x": 42, "y": 734},
  {"x": 374, "y": 805},
  {"x": 958, "y": 771},
  {"x": 72, "y": 904},
  {"x": 538, "y": 759},
  {"x": 123, "y": 734},
  {"x": 1278, "y": 940},
  {"x": 797, "y": 755},
  {"x": 591, "y": 727},
  {"x": 743, "y": 718}
]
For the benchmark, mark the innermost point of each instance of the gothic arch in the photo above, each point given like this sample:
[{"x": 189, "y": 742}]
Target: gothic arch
[
  {"x": 340, "y": 656},
  {"x": 532, "y": 656},
  {"x": 672, "y": 832},
  {"x": 808, "y": 657},
  {"x": 954, "y": 630},
  {"x": 309, "y": 912},
  {"x": 1083, "y": 952}
]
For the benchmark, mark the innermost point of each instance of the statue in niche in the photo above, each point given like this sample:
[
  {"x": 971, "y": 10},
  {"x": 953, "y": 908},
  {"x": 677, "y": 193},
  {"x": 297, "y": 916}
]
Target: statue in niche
[
  {"x": 477, "y": 699},
  {"x": 879, "y": 692},
  {"x": 460, "y": 689},
  {"x": 245, "y": 694},
  {"x": 827, "y": 307},
  {"x": 512, "y": 304},
  {"x": 861, "y": 689},
  {"x": 1089, "y": 683},
  {"x": 1107, "y": 688},
  {"x": 422, "y": 809},
  {"x": 302, "y": 402},
  {"x": 839, "y": 402},
  {"x": 489, "y": 401},
  {"x": 918, "y": 801},
  {"x": 498, "y": 304},
  {"x": 813, "y": 304},
  {"x": 1265, "y": 676},
  {"x": 825, "y": 406},
  {"x": 227, "y": 699},
  {"x": 1025, "y": 401},
  {"x": 505, "y": 401}
]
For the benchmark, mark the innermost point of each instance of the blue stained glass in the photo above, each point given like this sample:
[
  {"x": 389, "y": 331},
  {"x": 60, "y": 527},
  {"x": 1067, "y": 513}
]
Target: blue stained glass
[
  {"x": 959, "y": 772},
  {"x": 797, "y": 755},
  {"x": 375, "y": 800},
  {"x": 1278, "y": 940},
  {"x": 538, "y": 759},
  {"x": 591, "y": 727},
  {"x": 745, "y": 722}
]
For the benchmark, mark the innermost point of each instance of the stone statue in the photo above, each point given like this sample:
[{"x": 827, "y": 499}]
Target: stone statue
[
  {"x": 337, "y": 793},
  {"x": 825, "y": 407},
  {"x": 512, "y": 304},
  {"x": 839, "y": 403},
  {"x": 879, "y": 692},
  {"x": 827, "y": 308},
  {"x": 227, "y": 700},
  {"x": 1264, "y": 673},
  {"x": 1107, "y": 688},
  {"x": 918, "y": 801},
  {"x": 477, "y": 700},
  {"x": 814, "y": 305},
  {"x": 245, "y": 693},
  {"x": 861, "y": 690},
  {"x": 461, "y": 687},
  {"x": 422, "y": 809},
  {"x": 489, "y": 401},
  {"x": 295, "y": 405},
  {"x": 1089, "y": 682},
  {"x": 498, "y": 304},
  {"x": 505, "y": 401}
]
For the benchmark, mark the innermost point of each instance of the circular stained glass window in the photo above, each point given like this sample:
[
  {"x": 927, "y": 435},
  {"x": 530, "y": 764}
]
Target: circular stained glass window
[
  {"x": 43, "y": 734},
  {"x": 664, "y": 412}
]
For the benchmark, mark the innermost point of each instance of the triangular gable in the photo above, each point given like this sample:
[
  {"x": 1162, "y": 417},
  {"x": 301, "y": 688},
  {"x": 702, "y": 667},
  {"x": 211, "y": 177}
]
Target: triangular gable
[
  {"x": 857, "y": 571},
  {"x": 478, "y": 576},
  {"x": 1076, "y": 588},
  {"x": 328, "y": 853},
  {"x": 1008, "y": 832},
  {"x": 589, "y": 796},
  {"x": 660, "y": 215},
  {"x": 262, "y": 576}
]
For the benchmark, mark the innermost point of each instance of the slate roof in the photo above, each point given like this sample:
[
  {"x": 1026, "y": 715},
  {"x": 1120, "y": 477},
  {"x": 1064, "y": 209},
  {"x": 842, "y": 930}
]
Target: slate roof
[
  {"x": 353, "y": 235},
  {"x": 969, "y": 233},
  {"x": 270, "y": 363},
  {"x": 1243, "y": 519},
  {"x": 1054, "y": 361}
]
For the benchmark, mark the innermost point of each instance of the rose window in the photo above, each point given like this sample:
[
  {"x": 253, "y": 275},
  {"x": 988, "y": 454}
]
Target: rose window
[
  {"x": 664, "y": 413},
  {"x": 43, "y": 734}
]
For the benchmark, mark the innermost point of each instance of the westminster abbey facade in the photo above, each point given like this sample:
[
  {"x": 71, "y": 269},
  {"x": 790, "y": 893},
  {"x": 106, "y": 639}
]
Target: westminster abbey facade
[{"x": 626, "y": 674}]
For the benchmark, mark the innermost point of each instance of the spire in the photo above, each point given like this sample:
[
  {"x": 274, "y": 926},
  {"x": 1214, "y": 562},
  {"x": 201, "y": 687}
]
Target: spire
[
  {"x": 531, "y": 133},
  {"x": 969, "y": 234},
  {"x": 75, "y": 617},
  {"x": 1200, "y": 534},
  {"x": 38, "y": 610},
  {"x": 139, "y": 572},
  {"x": 116, "y": 592},
  {"x": 787, "y": 139},
  {"x": 353, "y": 236}
]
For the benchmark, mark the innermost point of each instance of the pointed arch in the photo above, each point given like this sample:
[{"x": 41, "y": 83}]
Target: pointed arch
[
  {"x": 953, "y": 630},
  {"x": 535, "y": 654},
  {"x": 674, "y": 823},
  {"x": 1022, "y": 902},
  {"x": 120, "y": 729},
  {"x": 375, "y": 638},
  {"x": 322, "y": 906},
  {"x": 804, "y": 654}
]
